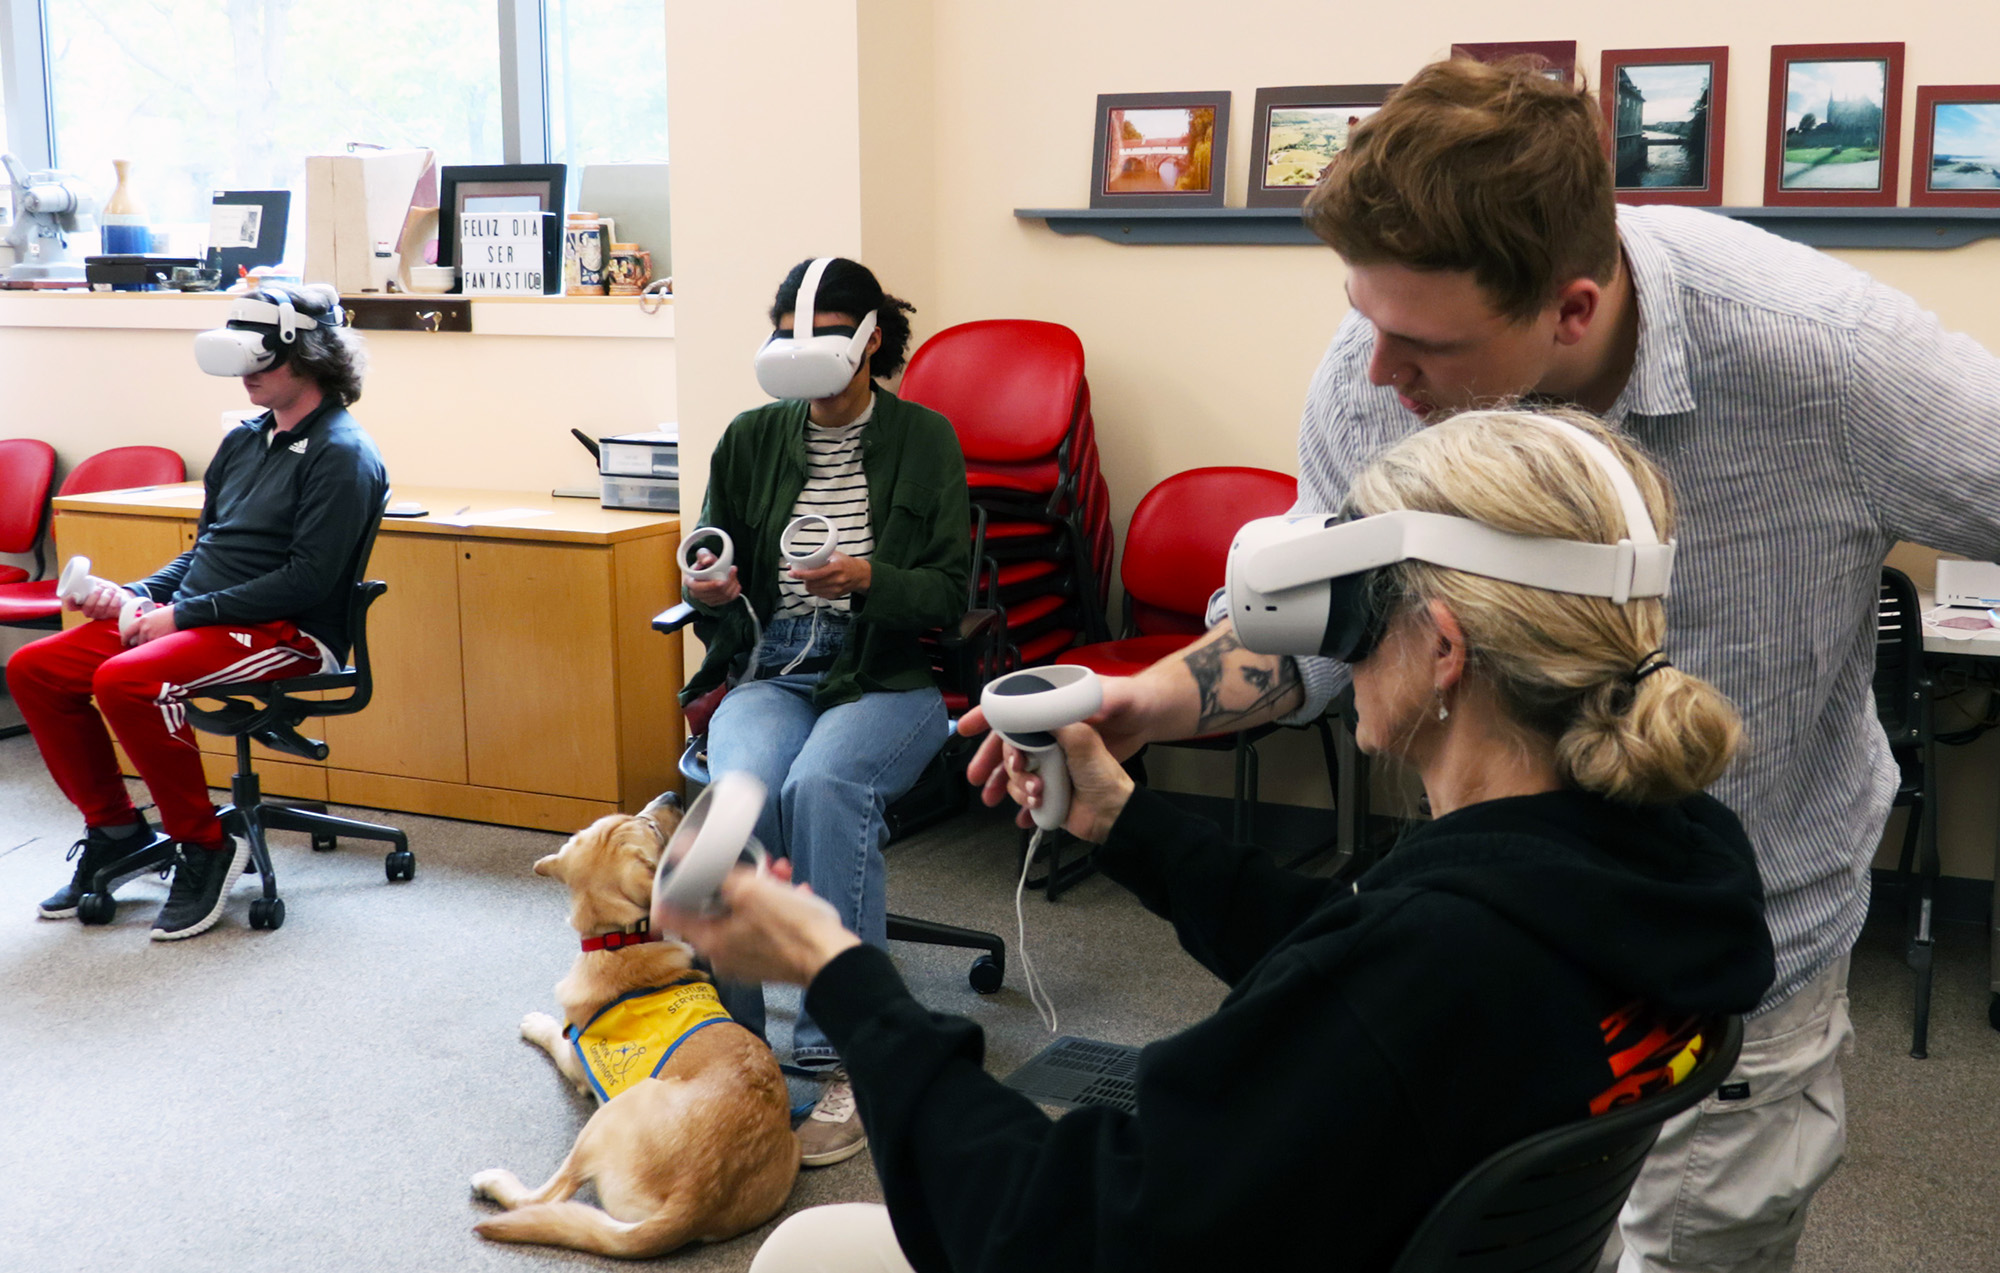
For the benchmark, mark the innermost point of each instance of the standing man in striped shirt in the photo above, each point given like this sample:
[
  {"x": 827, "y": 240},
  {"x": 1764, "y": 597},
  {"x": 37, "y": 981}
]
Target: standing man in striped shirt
[{"x": 1808, "y": 418}]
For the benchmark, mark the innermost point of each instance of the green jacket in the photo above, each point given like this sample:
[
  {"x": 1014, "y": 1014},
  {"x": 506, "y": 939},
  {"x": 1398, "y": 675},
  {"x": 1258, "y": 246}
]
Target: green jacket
[{"x": 922, "y": 563}]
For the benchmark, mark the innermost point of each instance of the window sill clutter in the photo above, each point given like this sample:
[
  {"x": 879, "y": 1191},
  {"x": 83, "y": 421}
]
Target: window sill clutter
[{"x": 599, "y": 316}]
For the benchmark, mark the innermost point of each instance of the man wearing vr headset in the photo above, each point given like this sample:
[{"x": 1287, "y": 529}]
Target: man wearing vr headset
[
  {"x": 1809, "y": 418},
  {"x": 262, "y": 595}
]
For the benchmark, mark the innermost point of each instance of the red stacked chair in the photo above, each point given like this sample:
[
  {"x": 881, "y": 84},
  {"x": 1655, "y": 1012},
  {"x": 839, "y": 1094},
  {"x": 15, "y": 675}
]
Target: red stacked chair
[
  {"x": 27, "y": 466},
  {"x": 1176, "y": 556},
  {"x": 1014, "y": 391}
]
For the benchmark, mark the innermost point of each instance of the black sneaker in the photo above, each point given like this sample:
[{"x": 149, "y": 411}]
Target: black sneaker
[
  {"x": 98, "y": 850},
  {"x": 201, "y": 885}
]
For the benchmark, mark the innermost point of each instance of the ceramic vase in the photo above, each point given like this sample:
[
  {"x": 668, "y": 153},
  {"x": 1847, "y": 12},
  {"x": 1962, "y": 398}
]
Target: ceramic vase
[{"x": 123, "y": 220}]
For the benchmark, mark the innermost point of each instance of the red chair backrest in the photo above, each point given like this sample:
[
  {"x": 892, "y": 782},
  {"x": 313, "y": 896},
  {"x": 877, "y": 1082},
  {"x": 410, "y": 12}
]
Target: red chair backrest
[
  {"x": 1009, "y": 386},
  {"x": 1177, "y": 551},
  {"x": 123, "y": 467},
  {"x": 27, "y": 467}
]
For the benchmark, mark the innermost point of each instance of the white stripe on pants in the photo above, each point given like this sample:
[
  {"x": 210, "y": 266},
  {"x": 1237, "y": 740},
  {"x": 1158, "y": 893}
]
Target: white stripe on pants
[{"x": 1727, "y": 1187}]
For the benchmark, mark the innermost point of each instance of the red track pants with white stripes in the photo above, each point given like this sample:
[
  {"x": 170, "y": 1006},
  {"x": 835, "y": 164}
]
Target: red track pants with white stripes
[{"x": 142, "y": 695}]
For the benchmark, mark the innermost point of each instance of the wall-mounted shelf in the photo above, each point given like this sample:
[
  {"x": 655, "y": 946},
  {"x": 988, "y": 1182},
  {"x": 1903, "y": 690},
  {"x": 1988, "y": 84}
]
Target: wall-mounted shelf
[
  {"x": 1817, "y": 227},
  {"x": 587, "y": 316}
]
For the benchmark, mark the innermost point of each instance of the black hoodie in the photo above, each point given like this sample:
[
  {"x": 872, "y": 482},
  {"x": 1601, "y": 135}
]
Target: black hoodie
[{"x": 1379, "y": 1039}]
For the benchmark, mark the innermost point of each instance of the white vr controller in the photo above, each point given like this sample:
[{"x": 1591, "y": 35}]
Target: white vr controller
[
  {"x": 1026, "y": 707},
  {"x": 811, "y": 558},
  {"x": 725, "y": 557},
  {"x": 795, "y": 557},
  {"x": 76, "y": 583},
  {"x": 712, "y": 840}
]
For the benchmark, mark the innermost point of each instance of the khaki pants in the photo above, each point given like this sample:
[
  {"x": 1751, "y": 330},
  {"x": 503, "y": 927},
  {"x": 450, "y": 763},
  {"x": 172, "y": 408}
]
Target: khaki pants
[
  {"x": 846, "y": 1237},
  {"x": 1726, "y": 1188}
]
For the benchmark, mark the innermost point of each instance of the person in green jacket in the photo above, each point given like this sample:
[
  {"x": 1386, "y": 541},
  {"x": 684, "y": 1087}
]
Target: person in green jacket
[{"x": 831, "y": 700}]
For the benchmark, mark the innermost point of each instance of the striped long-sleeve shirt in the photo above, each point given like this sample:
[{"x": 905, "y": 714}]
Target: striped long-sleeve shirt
[
  {"x": 1809, "y": 419},
  {"x": 837, "y": 490}
]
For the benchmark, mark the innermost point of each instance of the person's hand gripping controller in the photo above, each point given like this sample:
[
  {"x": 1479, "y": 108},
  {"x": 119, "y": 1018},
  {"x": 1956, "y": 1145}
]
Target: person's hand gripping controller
[{"x": 1056, "y": 768}]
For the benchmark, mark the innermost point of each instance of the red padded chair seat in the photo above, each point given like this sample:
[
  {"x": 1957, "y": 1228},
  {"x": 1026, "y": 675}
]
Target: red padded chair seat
[
  {"x": 29, "y": 602},
  {"x": 1128, "y": 657},
  {"x": 1046, "y": 646},
  {"x": 12, "y": 574}
]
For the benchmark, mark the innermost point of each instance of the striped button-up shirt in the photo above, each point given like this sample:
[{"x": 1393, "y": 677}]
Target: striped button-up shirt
[{"x": 1809, "y": 418}]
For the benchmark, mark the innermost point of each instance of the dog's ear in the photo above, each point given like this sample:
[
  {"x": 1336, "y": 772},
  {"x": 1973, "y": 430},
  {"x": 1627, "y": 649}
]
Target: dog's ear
[{"x": 550, "y": 866}]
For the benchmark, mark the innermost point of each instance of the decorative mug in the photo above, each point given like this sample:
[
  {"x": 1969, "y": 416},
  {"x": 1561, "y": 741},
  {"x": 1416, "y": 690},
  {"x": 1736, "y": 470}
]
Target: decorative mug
[
  {"x": 629, "y": 270},
  {"x": 585, "y": 239}
]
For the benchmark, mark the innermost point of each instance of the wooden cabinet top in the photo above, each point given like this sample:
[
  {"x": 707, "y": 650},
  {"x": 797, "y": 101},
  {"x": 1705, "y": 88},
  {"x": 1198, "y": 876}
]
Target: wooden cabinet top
[{"x": 456, "y": 512}]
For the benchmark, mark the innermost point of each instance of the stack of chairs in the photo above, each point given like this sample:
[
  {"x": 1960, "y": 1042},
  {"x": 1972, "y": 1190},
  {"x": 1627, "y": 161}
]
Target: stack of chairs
[{"x": 1014, "y": 390}]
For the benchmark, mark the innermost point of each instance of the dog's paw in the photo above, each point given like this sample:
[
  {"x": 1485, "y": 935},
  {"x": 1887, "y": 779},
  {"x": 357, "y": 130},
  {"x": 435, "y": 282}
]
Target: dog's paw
[
  {"x": 496, "y": 1184},
  {"x": 540, "y": 1026}
]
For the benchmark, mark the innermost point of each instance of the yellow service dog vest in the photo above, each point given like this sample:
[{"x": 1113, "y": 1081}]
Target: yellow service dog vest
[{"x": 631, "y": 1037}]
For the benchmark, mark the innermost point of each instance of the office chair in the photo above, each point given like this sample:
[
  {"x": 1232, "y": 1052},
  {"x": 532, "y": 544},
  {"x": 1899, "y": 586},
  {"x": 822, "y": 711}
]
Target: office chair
[
  {"x": 1903, "y": 704},
  {"x": 1176, "y": 556},
  {"x": 270, "y": 712},
  {"x": 972, "y": 651},
  {"x": 27, "y": 468},
  {"x": 1546, "y": 1204}
]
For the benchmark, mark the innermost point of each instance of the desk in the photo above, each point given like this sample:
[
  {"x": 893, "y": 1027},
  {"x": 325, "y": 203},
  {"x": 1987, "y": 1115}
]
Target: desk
[
  {"x": 1979, "y": 654},
  {"x": 517, "y": 679}
]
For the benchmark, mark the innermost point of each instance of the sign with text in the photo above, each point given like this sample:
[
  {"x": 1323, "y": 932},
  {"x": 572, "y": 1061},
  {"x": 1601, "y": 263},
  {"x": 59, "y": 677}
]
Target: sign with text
[{"x": 502, "y": 253}]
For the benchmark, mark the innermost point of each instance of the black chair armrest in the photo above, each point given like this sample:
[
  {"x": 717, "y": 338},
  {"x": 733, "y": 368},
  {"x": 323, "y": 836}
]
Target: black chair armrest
[
  {"x": 674, "y": 618},
  {"x": 973, "y": 625}
]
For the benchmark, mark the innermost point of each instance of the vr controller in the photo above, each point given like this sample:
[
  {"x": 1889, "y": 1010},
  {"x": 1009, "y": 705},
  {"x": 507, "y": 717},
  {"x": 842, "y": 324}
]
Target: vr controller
[
  {"x": 1025, "y": 707},
  {"x": 76, "y": 583},
  {"x": 795, "y": 557},
  {"x": 713, "y": 839}
]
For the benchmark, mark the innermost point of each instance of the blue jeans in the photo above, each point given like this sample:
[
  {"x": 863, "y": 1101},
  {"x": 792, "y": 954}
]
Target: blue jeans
[{"x": 830, "y": 774}]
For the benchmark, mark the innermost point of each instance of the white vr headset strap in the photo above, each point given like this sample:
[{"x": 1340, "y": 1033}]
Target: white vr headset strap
[
  {"x": 286, "y": 318},
  {"x": 1638, "y": 522},
  {"x": 1618, "y": 571},
  {"x": 803, "y": 314}
]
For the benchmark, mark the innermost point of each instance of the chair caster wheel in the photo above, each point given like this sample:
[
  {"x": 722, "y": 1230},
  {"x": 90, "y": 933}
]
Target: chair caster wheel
[
  {"x": 324, "y": 843},
  {"x": 96, "y": 908},
  {"x": 267, "y": 912},
  {"x": 986, "y": 974},
  {"x": 400, "y": 864}
]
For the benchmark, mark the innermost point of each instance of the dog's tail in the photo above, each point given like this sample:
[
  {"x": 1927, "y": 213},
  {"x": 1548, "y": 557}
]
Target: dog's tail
[{"x": 585, "y": 1228}]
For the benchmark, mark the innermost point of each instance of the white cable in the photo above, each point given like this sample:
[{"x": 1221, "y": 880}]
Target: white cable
[
  {"x": 1045, "y": 1007},
  {"x": 756, "y": 632},
  {"x": 812, "y": 636}
]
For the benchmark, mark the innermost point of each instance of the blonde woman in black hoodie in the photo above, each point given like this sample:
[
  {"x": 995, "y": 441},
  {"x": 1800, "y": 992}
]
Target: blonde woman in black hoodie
[{"x": 1545, "y": 948}]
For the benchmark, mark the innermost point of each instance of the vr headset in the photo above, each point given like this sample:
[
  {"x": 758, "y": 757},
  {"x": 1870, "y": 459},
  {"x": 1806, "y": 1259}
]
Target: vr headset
[
  {"x": 802, "y": 363},
  {"x": 256, "y": 334},
  {"x": 1316, "y": 585}
]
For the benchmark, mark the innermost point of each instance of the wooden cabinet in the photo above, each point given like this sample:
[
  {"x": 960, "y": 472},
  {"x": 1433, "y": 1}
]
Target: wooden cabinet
[{"x": 516, "y": 678}]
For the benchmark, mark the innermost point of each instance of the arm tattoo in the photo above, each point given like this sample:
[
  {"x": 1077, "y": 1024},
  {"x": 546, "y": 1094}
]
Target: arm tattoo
[{"x": 1239, "y": 688}]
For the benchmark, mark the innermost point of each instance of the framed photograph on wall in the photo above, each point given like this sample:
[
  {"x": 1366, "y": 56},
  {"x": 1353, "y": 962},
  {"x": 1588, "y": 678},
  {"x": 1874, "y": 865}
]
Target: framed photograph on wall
[
  {"x": 1663, "y": 123},
  {"x": 1557, "y": 57},
  {"x": 1160, "y": 150},
  {"x": 494, "y": 188},
  {"x": 1297, "y": 132},
  {"x": 1836, "y": 120},
  {"x": 1957, "y": 160}
]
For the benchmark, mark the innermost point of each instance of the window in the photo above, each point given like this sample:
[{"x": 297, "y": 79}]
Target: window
[
  {"x": 199, "y": 106},
  {"x": 607, "y": 76}
]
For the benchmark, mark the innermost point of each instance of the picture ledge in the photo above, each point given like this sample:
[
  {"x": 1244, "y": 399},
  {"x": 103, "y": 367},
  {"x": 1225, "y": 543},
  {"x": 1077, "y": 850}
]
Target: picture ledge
[{"x": 1929, "y": 228}]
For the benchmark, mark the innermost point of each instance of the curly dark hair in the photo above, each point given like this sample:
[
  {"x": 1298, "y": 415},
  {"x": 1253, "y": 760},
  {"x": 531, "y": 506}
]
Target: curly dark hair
[
  {"x": 331, "y": 356},
  {"x": 849, "y": 287}
]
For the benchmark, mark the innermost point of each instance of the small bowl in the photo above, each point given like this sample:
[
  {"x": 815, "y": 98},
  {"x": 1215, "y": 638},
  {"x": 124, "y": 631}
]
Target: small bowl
[{"x": 432, "y": 278}]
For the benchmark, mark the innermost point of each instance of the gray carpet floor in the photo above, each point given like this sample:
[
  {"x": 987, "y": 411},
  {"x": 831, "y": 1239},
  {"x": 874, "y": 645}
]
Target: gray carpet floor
[{"x": 316, "y": 1098}]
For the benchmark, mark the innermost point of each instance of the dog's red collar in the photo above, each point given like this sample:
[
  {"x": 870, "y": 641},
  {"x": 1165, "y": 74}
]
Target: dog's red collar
[{"x": 618, "y": 941}]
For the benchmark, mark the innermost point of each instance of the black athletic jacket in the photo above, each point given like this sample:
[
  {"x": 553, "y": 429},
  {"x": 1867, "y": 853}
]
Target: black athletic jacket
[
  {"x": 279, "y": 528},
  {"x": 1477, "y": 986}
]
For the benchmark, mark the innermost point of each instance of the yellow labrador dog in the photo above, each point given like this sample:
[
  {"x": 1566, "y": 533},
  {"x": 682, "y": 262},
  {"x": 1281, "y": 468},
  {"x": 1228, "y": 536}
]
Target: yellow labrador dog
[{"x": 693, "y": 1139}]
